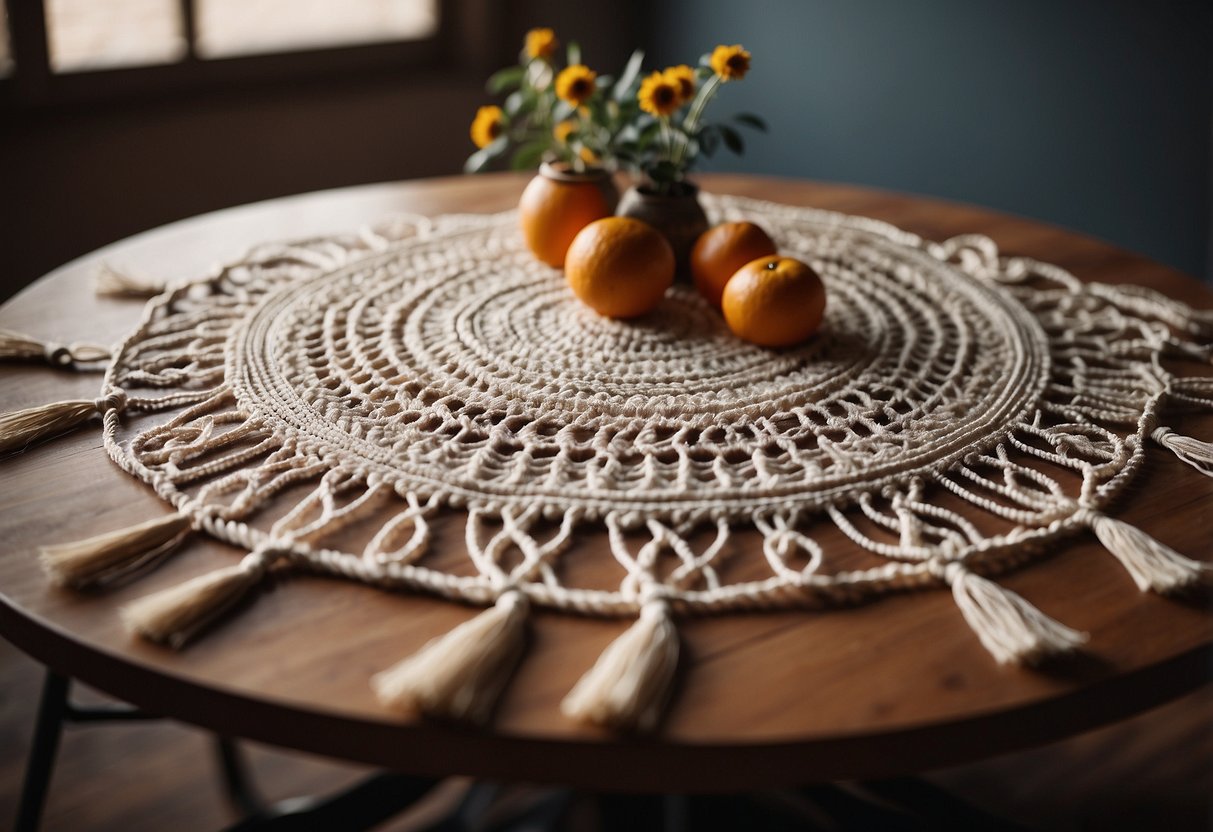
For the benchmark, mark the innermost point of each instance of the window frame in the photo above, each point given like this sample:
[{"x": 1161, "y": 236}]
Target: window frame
[{"x": 463, "y": 40}]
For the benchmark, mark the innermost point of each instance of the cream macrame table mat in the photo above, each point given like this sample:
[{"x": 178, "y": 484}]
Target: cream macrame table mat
[{"x": 431, "y": 365}]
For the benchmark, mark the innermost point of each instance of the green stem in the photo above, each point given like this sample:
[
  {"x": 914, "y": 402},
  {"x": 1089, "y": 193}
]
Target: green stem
[
  {"x": 691, "y": 123},
  {"x": 667, "y": 138},
  {"x": 574, "y": 153}
]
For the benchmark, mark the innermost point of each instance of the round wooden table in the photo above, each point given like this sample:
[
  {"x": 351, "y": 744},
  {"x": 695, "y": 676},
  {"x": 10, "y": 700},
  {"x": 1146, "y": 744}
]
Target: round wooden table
[{"x": 764, "y": 700}]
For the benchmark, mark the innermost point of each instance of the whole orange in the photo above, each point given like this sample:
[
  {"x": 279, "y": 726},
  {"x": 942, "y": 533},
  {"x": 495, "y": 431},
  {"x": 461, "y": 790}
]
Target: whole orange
[
  {"x": 774, "y": 301},
  {"x": 721, "y": 251},
  {"x": 555, "y": 206},
  {"x": 620, "y": 267}
]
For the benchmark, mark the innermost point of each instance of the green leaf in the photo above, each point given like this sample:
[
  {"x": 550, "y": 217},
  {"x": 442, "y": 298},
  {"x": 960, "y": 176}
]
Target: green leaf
[
  {"x": 751, "y": 120},
  {"x": 664, "y": 171},
  {"x": 597, "y": 108},
  {"x": 648, "y": 133},
  {"x": 709, "y": 139},
  {"x": 517, "y": 103},
  {"x": 562, "y": 111},
  {"x": 529, "y": 155},
  {"x": 505, "y": 79},
  {"x": 574, "y": 52},
  {"x": 732, "y": 139},
  {"x": 480, "y": 159},
  {"x": 631, "y": 72}
]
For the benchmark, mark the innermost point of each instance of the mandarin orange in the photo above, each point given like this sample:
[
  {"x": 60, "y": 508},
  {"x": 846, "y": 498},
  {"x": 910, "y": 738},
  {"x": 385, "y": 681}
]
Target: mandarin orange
[
  {"x": 620, "y": 267},
  {"x": 721, "y": 251},
  {"x": 774, "y": 301},
  {"x": 552, "y": 211}
]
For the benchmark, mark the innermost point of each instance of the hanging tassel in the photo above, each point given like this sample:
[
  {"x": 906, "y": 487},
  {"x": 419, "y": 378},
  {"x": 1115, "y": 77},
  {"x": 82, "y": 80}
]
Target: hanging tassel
[
  {"x": 24, "y": 427},
  {"x": 461, "y": 674},
  {"x": 20, "y": 347},
  {"x": 173, "y": 616},
  {"x": 115, "y": 284},
  {"x": 16, "y": 345},
  {"x": 1196, "y": 453},
  {"x": 106, "y": 556},
  {"x": 1153, "y": 565},
  {"x": 628, "y": 686},
  {"x": 1014, "y": 631}
]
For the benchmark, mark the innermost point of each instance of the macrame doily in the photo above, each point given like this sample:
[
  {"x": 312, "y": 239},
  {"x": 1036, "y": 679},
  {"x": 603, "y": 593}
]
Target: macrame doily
[{"x": 434, "y": 364}]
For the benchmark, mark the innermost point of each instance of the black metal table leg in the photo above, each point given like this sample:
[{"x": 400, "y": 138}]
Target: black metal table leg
[
  {"x": 236, "y": 782},
  {"x": 49, "y": 727}
]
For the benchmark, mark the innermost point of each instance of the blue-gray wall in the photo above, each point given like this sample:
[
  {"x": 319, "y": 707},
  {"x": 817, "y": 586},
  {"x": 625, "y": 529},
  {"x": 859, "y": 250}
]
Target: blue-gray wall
[{"x": 1092, "y": 115}]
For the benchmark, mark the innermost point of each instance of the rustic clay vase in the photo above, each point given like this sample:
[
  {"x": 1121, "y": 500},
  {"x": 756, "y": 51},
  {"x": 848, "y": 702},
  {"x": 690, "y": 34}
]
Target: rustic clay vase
[
  {"x": 558, "y": 203},
  {"x": 678, "y": 216}
]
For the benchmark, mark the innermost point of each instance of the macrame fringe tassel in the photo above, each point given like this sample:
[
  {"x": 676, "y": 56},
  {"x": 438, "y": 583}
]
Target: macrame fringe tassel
[
  {"x": 628, "y": 686},
  {"x": 21, "y": 347},
  {"x": 16, "y": 345},
  {"x": 24, "y": 427},
  {"x": 96, "y": 559},
  {"x": 1196, "y": 453},
  {"x": 461, "y": 674},
  {"x": 1152, "y": 565},
  {"x": 173, "y": 616},
  {"x": 1014, "y": 631},
  {"x": 112, "y": 283}
]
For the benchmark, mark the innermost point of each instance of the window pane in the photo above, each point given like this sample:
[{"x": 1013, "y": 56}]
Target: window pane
[
  {"x": 241, "y": 27},
  {"x": 6, "y": 54},
  {"x": 87, "y": 34}
]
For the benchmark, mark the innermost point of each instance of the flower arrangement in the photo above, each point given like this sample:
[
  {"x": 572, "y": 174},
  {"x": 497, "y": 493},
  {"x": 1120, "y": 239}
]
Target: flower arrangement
[
  {"x": 570, "y": 114},
  {"x": 670, "y": 134},
  {"x": 653, "y": 125}
]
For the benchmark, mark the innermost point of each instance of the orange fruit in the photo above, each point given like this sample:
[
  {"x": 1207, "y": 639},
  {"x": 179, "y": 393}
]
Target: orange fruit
[
  {"x": 721, "y": 251},
  {"x": 774, "y": 301},
  {"x": 620, "y": 267},
  {"x": 552, "y": 211}
]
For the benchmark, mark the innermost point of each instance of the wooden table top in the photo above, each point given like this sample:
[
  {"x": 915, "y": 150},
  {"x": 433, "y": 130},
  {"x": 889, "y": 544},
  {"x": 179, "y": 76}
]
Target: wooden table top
[{"x": 762, "y": 700}]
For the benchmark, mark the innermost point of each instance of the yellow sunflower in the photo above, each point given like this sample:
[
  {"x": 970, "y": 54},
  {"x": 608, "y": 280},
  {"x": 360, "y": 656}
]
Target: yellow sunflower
[
  {"x": 487, "y": 125},
  {"x": 659, "y": 95},
  {"x": 683, "y": 77},
  {"x": 575, "y": 84},
  {"x": 562, "y": 130},
  {"x": 730, "y": 62},
  {"x": 541, "y": 43}
]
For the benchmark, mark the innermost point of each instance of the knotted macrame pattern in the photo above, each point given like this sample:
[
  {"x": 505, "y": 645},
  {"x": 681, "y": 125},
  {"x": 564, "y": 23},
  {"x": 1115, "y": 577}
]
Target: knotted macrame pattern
[{"x": 957, "y": 413}]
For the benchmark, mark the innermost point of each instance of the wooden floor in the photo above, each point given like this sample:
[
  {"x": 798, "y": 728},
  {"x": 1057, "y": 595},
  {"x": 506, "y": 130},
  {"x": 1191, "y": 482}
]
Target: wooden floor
[{"x": 1154, "y": 772}]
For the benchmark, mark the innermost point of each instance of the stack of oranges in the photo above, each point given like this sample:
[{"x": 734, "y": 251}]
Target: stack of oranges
[{"x": 621, "y": 268}]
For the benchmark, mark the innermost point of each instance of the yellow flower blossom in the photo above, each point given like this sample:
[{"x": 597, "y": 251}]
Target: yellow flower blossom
[
  {"x": 563, "y": 130},
  {"x": 541, "y": 43},
  {"x": 588, "y": 156},
  {"x": 730, "y": 62},
  {"x": 659, "y": 94},
  {"x": 487, "y": 125},
  {"x": 683, "y": 77},
  {"x": 575, "y": 84}
]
